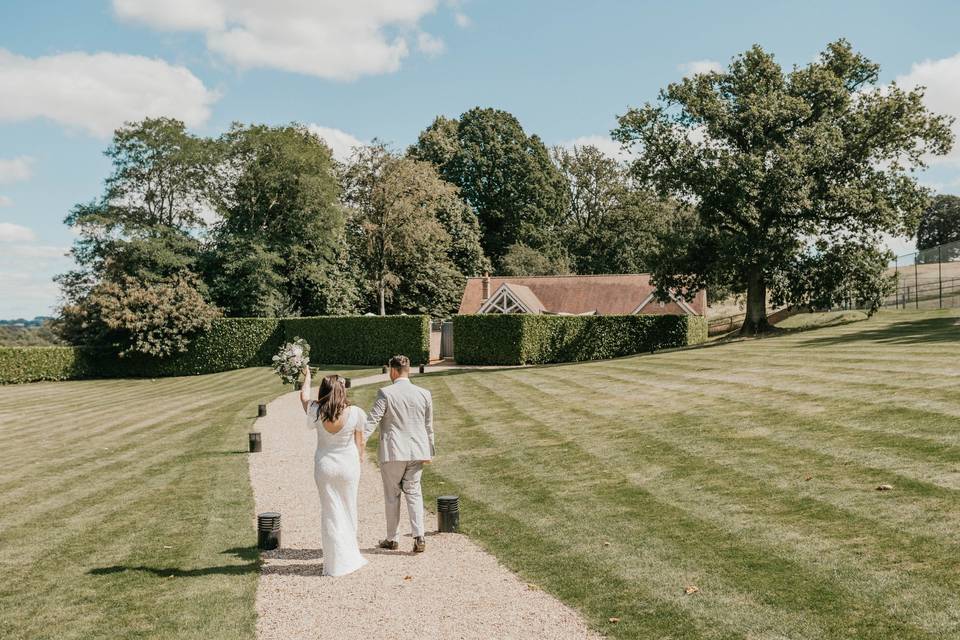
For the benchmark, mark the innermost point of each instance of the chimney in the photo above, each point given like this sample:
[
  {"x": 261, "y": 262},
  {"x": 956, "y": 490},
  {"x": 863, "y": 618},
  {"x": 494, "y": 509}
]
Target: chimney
[{"x": 486, "y": 287}]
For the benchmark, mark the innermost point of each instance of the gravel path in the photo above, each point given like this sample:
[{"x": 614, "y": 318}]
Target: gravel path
[{"x": 454, "y": 590}]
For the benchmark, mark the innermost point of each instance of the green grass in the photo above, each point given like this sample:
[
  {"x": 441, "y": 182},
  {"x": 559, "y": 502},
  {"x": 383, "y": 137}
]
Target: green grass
[
  {"x": 748, "y": 469},
  {"x": 127, "y": 510}
]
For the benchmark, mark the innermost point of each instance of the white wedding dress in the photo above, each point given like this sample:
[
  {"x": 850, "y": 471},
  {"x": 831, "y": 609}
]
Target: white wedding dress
[{"x": 337, "y": 472}]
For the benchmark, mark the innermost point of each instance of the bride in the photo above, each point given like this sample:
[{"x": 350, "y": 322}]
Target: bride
[{"x": 337, "y": 471}]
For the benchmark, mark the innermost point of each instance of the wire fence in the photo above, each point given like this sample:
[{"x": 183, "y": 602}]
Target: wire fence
[{"x": 927, "y": 279}]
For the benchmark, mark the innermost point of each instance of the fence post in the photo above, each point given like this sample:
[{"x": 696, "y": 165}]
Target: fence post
[
  {"x": 916, "y": 281},
  {"x": 940, "y": 273}
]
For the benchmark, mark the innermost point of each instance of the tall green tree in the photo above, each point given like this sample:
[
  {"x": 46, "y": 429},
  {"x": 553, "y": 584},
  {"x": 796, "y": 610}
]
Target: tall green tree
[
  {"x": 143, "y": 229},
  {"x": 940, "y": 224},
  {"x": 518, "y": 194},
  {"x": 769, "y": 159},
  {"x": 413, "y": 237},
  {"x": 612, "y": 225},
  {"x": 278, "y": 194}
]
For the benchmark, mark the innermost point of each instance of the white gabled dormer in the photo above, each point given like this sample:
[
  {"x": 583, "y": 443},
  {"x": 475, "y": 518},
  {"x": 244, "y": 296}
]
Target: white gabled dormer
[
  {"x": 506, "y": 300},
  {"x": 687, "y": 309}
]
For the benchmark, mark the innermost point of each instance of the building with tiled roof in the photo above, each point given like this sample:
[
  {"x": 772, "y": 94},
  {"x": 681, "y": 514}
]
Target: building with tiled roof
[{"x": 573, "y": 295}]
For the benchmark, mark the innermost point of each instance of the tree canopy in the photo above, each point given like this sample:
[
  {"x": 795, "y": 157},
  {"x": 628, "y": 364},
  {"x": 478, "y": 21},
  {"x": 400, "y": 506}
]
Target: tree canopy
[
  {"x": 508, "y": 178},
  {"x": 413, "y": 238},
  {"x": 773, "y": 162},
  {"x": 940, "y": 224}
]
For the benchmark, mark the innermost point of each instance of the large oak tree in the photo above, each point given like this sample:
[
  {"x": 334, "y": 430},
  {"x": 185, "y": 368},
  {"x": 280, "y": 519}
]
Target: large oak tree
[{"x": 779, "y": 164}]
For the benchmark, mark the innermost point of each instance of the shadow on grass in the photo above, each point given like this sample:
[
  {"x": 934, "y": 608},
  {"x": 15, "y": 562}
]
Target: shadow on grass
[
  {"x": 244, "y": 553},
  {"x": 920, "y": 331}
]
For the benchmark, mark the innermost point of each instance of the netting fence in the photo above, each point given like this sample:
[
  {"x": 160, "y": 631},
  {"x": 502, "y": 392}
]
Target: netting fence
[{"x": 927, "y": 279}]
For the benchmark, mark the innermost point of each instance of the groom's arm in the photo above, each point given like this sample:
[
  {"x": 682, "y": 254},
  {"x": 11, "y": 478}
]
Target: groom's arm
[
  {"x": 428, "y": 422},
  {"x": 376, "y": 415}
]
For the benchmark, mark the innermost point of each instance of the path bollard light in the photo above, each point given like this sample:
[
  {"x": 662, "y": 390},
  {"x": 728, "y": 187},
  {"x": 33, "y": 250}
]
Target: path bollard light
[
  {"x": 268, "y": 530},
  {"x": 448, "y": 514},
  {"x": 256, "y": 444},
  {"x": 422, "y": 367},
  {"x": 261, "y": 410},
  {"x": 383, "y": 369},
  {"x": 346, "y": 383}
]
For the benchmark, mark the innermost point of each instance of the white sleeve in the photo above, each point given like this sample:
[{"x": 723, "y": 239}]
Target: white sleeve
[{"x": 360, "y": 419}]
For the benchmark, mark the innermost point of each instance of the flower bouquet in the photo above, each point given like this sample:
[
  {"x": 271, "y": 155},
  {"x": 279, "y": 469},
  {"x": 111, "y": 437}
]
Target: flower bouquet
[{"x": 291, "y": 359}]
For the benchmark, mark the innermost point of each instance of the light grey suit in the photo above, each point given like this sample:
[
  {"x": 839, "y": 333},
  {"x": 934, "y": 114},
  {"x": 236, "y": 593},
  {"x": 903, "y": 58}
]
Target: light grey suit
[{"x": 404, "y": 413}]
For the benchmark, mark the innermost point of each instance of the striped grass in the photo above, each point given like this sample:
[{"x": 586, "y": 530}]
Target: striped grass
[
  {"x": 747, "y": 469},
  {"x": 127, "y": 509}
]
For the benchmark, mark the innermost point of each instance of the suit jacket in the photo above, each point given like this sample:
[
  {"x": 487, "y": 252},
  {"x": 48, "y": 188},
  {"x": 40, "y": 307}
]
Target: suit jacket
[{"x": 404, "y": 413}]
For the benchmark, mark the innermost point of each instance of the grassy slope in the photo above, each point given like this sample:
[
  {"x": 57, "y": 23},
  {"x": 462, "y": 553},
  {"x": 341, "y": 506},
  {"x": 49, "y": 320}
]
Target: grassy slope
[
  {"x": 127, "y": 507},
  {"x": 747, "y": 469}
]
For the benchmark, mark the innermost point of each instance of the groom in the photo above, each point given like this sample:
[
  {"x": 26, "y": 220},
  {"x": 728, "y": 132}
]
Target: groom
[{"x": 404, "y": 413}]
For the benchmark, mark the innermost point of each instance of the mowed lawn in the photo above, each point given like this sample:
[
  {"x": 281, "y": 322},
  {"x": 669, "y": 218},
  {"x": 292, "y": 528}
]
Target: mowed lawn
[
  {"x": 127, "y": 509},
  {"x": 748, "y": 470}
]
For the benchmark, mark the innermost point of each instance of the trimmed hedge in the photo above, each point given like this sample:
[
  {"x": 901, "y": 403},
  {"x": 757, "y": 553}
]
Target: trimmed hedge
[
  {"x": 31, "y": 364},
  {"x": 231, "y": 343},
  {"x": 362, "y": 339},
  {"x": 510, "y": 339}
]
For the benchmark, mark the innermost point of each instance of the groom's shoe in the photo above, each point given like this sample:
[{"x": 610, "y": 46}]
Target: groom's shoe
[
  {"x": 392, "y": 545},
  {"x": 419, "y": 545}
]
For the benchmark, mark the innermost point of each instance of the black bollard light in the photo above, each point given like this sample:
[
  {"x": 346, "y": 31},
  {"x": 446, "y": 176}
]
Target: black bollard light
[
  {"x": 448, "y": 514},
  {"x": 268, "y": 530},
  {"x": 261, "y": 410},
  {"x": 383, "y": 369},
  {"x": 422, "y": 367},
  {"x": 346, "y": 383},
  {"x": 255, "y": 443}
]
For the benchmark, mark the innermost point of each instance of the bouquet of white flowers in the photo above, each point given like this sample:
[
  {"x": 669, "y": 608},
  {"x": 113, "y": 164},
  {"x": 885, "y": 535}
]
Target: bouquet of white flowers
[{"x": 291, "y": 360}]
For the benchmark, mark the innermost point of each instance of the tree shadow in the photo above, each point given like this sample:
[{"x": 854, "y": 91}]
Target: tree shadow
[
  {"x": 244, "y": 553},
  {"x": 309, "y": 570},
  {"x": 907, "y": 332},
  {"x": 292, "y": 554}
]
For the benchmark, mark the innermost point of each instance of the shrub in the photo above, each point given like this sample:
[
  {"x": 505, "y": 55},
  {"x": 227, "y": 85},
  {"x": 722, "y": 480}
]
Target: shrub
[
  {"x": 538, "y": 339},
  {"x": 231, "y": 343},
  {"x": 32, "y": 364},
  {"x": 362, "y": 339}
]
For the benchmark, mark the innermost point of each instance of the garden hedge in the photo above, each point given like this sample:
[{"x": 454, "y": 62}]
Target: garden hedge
[
  {"x": 231, "y": 343},
  {"x": 539, "y": 339},
  {"x": 362, "y": 339}
]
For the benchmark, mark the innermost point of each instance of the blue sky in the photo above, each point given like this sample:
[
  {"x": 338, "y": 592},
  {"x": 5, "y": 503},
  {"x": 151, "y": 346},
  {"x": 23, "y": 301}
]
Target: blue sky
[{"x": 70, "y": 71}]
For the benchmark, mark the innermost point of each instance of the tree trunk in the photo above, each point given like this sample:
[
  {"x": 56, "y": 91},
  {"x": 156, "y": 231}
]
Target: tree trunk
[
  {"x": 755, "y": 320},
  {"x": 381, "y": 291}
]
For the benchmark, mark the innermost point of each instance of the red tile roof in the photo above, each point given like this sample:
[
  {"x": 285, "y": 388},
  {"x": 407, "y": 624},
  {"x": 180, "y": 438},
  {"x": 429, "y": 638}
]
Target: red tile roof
[{"x": 605, "y": 294}]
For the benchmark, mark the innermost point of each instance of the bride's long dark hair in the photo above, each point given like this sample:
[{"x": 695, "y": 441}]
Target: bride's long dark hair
[{"x": 333, "y": 398}]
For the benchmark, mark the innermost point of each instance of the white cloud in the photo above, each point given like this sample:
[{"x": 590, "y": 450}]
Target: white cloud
[
  {"x": 15, "y": 169},
  {"x": 340, "y": 142},
  {"x": 942, "y": 80},
  {"x": 430, "y": 45},
  {"x": 899, "y": 245},
  {"x": 97, "y": 92},
  {"x": 463, "y": 20},
  {"x": 605, "y": 144},
  {"x": 326, "y": 38},
  {"x": 10, "y": 232},
  {"x": 699, "y": 66},
  {"x": 5, "y": 201},
  {"x": 26, "y": 270}
]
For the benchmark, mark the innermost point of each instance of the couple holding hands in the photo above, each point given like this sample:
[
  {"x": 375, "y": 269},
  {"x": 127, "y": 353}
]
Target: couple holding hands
[{"x": 404, "y": 414}]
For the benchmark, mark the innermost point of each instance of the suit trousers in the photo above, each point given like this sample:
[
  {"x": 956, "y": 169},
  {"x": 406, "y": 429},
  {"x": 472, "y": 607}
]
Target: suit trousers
[{"x": 402, "y": 476}]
